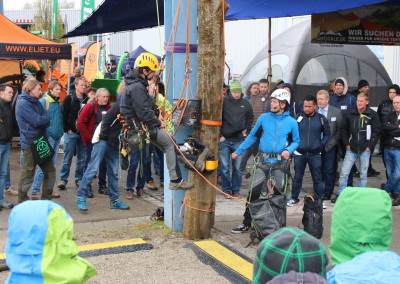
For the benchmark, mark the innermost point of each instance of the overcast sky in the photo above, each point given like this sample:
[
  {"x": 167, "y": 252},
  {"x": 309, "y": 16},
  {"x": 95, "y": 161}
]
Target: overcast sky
[{"x": 18, "y": 4}]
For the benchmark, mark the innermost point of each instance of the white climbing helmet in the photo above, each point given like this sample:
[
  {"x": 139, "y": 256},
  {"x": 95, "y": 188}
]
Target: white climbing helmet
[{"x": 281, "y": 95}]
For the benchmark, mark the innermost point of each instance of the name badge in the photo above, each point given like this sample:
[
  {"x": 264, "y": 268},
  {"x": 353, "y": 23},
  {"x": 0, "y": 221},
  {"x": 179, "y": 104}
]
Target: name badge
[
  {"x": 300, "y": 119},
  {"x": 333, "y": 118},
  {"x": 343, "y": 107}
]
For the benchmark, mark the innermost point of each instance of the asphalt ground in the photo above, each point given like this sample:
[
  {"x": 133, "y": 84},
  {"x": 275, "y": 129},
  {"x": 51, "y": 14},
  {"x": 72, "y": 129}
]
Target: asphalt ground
[{"x": 172, "y": 258}]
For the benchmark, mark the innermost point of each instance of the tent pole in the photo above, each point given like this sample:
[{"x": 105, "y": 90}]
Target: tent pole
[
  {"x": 269, "y": 56},
  {"x": 69, "y": 73}
]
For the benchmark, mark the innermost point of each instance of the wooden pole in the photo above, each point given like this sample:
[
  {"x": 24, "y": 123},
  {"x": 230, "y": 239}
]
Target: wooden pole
[{"x": 210, "y": 78}]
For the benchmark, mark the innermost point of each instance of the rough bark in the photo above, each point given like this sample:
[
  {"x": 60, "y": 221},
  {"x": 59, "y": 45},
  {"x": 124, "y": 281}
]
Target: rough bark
[{"x": 198, "y": 224}]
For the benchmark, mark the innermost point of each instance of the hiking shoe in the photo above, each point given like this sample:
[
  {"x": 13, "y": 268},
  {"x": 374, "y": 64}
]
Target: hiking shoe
[
  {"x": 55, "y": 195},
  {"x": 201, "y": 160},
  {"x": 333, "y": 200},
  {"x": 77, "y": 182},
  {"x": 227, "y": 195},
  {"x": 151, "y": 185},
  {"x": 36, "y": 196},
  {"x": 6, "y": 205},
  {"x": 240, "y": 229},
  {"x": 118, "y": 204},
  {"x": 292, "y": 202},
  {"x": 129, "y": 194},
  {"x": 90, "y": 192},
  {"x": 11, "y": 191},
  {"x": 182, "y": 185},
  {"x": 103, "y": 189},
  {"x": 323, "y": 205},
  {"x": 62, "y": 184},
  {"x": 140, "y": 193},
  {"x": 327, "y": 197},
  {"x": 161, "y": 183},
  {"x": 81, "y": 202},
  {"x": 237, "y": 195}
]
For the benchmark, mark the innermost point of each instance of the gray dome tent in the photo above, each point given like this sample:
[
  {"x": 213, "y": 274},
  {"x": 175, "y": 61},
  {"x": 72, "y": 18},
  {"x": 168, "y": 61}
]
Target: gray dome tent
[{"x": 310, "y": 67}]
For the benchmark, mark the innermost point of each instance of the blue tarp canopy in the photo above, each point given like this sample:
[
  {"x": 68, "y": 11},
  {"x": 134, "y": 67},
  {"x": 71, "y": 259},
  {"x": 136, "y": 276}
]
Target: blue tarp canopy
[{"x": 124, "y": 15}]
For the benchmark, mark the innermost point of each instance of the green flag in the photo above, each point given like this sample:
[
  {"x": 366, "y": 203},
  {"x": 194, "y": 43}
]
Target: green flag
[
  {"x": 55, "y": 10},
  {"x": 102, "y": 60},
  {"x": 86, "y": 9}
]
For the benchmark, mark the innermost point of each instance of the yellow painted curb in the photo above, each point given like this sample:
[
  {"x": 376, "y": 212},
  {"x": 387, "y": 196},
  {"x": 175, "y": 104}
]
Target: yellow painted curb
[
  {"x": 227, "y": 257},
  {"x": 114, "y": 244}
]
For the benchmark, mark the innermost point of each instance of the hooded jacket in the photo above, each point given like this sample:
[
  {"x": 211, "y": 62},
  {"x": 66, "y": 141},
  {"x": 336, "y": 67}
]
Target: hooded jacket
[
  {"x": 56, "y": 128},
  {"x": 310, "y": 129},
  {"x": 40, "y": 246},
  {"x": 345, "y": 101},
  {"x": 6, "y": 122},
  {"x": 87, "y": 120},
  {"x": 70, "y": 109},
  {"x": 391, "y": 131},
  {"x": 357, "y": 127},
  {"x": 136, "y": 102},
  {"x": 274, "y": 130},
  {"x": 31, "y": 117},
  {"x": 237, "y": 115}
]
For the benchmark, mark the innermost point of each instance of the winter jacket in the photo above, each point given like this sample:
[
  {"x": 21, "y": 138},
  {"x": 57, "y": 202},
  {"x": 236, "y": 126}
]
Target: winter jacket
[
  {"x": 391, "y": 131},
  {"x": 56, "y": 128},
  {"x": 87, "y": 120},
  {"x": 111, "y": 127},
  {"x": 136, "y": 102},
  {"x": 356, "y": 126},
  {"x": 237, "y": 115},
  {"x": 6, "y": 122},
  {"x": 70, "y": 109},
  {"x": 344, "y": 102},
  {"x": 384, "y": 109},
  {"x": 31, "y": 117},
  {"x": 274, "y": 130},
  {"x": 310, "y": 129}
]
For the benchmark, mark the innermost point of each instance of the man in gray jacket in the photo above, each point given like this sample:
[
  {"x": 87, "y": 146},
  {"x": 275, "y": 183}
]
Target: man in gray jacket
[{"x": 329, "y": 153}]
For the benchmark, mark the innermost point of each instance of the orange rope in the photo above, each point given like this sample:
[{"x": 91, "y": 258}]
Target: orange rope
[
  {"x": 212, "y": 185},
  {"x": 184, "y": 203}
]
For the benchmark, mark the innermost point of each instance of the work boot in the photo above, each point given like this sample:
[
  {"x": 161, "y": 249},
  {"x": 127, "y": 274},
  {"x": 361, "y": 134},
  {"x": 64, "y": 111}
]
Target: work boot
[
  {"x": 372, "y": 172},
  {"x": 36, "y": 196},
  {"x": 396, "y": 199},
  {"x": 182, "y": 185},
  {"x": 201, "y": 160},
  {"x": 55, "y": 195},
  {"x": 62, "y": 184},
  {"x": 103, "y": 189}
]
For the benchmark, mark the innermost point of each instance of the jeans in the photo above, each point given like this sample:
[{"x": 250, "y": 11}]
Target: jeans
[
  {"x": 315, "y": 164},
  {"x": 230, "y": 183},
  {"x": 343, "y": 153},
  {"x": 102, "y": 150},
  {"x": 392, "y": 160},
  {"x": 5, "y": 150},
  {"x": 348, "y": 162},
  {"x": 103, "y": 165},
  {"x": 7, "y": 182},
  {"x": 133, "y": 165},
  {"x": 253, "y": 150},
  {"x": 72, "y": 144},
  {"x": 37, "y": 181},
  {"x": 278, "y": 172},
  {"x": 158, "y": 158},
  {"x": 28, "y": 172},
  {"x": 329, "y": 169}
]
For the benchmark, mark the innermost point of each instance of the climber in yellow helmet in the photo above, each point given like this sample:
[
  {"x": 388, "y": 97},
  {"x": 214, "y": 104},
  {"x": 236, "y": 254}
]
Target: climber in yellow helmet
[{"x": 138, "y": 109}]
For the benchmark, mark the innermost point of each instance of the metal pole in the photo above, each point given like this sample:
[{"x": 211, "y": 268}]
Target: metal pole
[{"x": 269, "y": 55}]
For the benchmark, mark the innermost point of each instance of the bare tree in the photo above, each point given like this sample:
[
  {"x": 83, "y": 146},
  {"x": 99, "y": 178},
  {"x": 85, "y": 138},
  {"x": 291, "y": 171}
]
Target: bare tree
[
  {"x": 28, "y": 6},
  {"x": 66, "y": 4}
]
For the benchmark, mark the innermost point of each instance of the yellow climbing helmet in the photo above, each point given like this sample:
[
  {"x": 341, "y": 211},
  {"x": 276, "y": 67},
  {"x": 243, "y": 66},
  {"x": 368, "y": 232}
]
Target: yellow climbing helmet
[{"x": 147, "y": 59}]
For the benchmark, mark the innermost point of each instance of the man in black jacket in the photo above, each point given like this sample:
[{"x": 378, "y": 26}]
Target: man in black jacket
[
  {"x": 72, "y": 104},
  {"x": 360, "y": 133},
  {"x": 237, "y": 117},
  {"x": 108, "y": 149},
  {"x": 314, "y": 134},
  {"x": 137, "y": 107},
  {"x": 391, "y": 150},
  {"x": 6, "y": 134}
]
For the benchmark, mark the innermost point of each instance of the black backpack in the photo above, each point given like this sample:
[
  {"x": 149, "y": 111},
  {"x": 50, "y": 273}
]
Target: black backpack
[{"x": 312, "y": 218}]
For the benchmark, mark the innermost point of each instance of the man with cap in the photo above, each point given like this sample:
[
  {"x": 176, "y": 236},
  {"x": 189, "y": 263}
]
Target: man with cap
[
  {"x": 288, "y": 249},
  {"x": 273, "y": 130},
  {"x": 363, "y": 87},
  {"x": 237, "y": 117}
]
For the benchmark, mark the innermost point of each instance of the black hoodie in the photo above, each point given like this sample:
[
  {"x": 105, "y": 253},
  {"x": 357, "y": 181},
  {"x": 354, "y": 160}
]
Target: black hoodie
[
  {"x": 237, "y": 116},
  {"x": 136, "y": 102}
]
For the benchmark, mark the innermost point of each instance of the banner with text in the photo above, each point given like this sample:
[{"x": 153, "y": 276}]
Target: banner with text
[
  {"x": 91, "y": 61},
  {"x": 369, "y": 25}
]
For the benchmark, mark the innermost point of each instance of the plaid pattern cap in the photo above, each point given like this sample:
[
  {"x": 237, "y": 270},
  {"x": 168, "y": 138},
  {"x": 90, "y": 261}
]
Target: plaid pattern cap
[{"x": 288, "y": 249}]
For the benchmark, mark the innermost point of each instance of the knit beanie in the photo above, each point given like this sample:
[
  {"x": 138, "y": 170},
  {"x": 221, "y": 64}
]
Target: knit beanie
[
  {"x": 288, "y": 249},
  {"x": 235, "y": 86},
  {"x": 340, "y": 81},
  {"x": 363, "y": 83}
]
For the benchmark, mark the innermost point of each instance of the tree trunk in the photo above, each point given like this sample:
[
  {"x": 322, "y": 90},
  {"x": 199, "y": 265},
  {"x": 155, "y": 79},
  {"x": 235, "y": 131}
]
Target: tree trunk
[{"x": 210, "y": 79}]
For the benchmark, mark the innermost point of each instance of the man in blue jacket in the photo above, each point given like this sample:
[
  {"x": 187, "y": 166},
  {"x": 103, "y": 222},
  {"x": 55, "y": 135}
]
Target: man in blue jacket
[
  {"x": 314, "y": 134},
  {"x": 32, "y": 121},
  {"x": 274, "y": 130}
]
